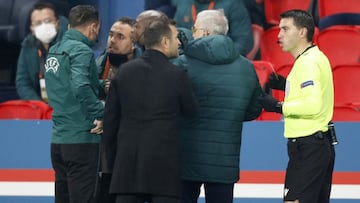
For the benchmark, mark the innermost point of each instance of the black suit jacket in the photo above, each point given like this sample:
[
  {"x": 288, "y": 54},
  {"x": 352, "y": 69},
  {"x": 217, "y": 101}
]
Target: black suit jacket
[{"x": 140, "y": 125}]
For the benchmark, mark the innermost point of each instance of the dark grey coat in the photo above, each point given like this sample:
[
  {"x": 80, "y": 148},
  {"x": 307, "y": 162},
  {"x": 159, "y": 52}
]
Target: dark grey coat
[{"x": 140, "y": 126}]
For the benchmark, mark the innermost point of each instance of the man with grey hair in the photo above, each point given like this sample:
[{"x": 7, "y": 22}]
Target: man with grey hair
[{"x": 227, "y": 89}]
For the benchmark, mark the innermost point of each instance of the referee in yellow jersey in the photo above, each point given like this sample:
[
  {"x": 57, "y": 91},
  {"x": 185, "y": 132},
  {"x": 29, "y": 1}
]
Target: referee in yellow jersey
[{"x": 307, "y": 110}]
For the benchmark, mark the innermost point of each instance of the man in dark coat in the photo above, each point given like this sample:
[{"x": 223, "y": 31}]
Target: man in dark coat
[{"x": 144, "y": 100}]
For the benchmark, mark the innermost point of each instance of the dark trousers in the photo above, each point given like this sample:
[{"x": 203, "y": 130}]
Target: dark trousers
[
  {"x": 214, "y": 192},
  {"x": 76, "y": 167},
  {"x": 104, "y": 195},
  {"x": 141, "y": 198},
  {"x": 311, "y": 158}
]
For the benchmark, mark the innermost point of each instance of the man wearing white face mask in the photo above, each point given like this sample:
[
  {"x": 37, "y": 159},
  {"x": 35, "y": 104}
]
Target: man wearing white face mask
[{"x": 47, "y": 27}]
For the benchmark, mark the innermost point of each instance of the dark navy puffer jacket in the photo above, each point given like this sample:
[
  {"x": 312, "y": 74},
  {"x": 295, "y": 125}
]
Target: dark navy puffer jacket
[{"x": 227, "y": 90}]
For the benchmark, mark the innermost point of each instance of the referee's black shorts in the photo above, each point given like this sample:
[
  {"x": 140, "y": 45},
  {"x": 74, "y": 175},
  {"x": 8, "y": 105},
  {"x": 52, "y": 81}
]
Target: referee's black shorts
[{"x": 309, "y": 171}]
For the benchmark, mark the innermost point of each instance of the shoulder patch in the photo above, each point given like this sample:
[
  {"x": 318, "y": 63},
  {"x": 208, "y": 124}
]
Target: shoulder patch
[{"x": 307, "y": 83}]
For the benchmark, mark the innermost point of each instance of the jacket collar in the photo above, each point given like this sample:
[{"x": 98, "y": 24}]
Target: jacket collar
[{"x": 76, "y": 35}]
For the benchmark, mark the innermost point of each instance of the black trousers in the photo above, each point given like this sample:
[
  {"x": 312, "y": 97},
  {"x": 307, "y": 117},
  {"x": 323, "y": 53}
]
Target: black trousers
[
  {"x": 104, "y": 195},
  {"x": 76, "y": 172},
  {"x": 214, "y": 192},
  {"x": 141, "y": 198},
  {"x": 310, "y": 168}
]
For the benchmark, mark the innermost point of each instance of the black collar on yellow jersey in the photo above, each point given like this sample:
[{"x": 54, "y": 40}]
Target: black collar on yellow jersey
[{"x": 305, "y": 51}]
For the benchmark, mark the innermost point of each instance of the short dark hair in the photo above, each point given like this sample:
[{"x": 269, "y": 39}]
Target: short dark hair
[
  {"x": 43, "y": 5},
  {"x": 82, "y": 15},
  {"x": 155, "y": 31},
  {"x": 127, "y": 20},
  {"x": 302, "y": 19}
]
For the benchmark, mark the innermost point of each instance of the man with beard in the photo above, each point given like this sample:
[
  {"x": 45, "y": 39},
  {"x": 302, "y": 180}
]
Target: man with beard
[{"x": 120, "y": 49}]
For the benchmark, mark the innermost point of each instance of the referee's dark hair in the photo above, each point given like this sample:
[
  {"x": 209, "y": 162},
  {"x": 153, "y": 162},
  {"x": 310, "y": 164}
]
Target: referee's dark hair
[
  {"x": 83, "y": 15},
  {"x": 302, "y": 19}
]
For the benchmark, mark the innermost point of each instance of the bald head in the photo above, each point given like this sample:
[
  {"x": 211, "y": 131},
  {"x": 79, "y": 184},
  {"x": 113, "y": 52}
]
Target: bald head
[{"x": 143, "y": 20}]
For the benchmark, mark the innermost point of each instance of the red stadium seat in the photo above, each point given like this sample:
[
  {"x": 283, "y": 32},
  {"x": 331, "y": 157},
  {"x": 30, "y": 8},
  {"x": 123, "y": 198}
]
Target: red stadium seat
[
  {"x": 269, "y": 116},
  {"x": 271, "y": 51},
  {"x": 263, "y": 70},
  {"x": 284, "y": 71},
  {"x": 273, "y": 8},
  {"x": 257, "y": 34},
  {"x": 347, "y": 84},
  {"x": 48, "y": 113},
  {"x": 23, "y": 109},
  {"x": 331, "y": 7},
  {"x": 346, "y": 113},
  {"x": 340, "y": 44}
]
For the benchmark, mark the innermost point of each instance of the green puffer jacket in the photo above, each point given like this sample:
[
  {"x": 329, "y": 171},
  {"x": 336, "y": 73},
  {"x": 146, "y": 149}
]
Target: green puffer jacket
[
  {"x": 28, "y": 64},
  {"x": 240, "y": 30},
  {"x": 73, "y": 88},
  {"x": 227, "y": 89}
]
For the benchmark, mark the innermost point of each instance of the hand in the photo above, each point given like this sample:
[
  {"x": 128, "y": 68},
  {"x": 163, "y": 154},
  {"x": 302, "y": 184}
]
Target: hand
[
  {"x": 107, "y": 85},
  {"x": 98, "y": 129},
  {"x": 270, "y": 104},
  {"x": 277, "y": 82}
]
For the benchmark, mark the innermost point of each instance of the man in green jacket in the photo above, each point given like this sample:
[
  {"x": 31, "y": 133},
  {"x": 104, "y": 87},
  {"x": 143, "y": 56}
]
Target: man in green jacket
[
  {"x": 73, "y": 88},
  {"x": 227, "y": 89},
  {"x": 47, "y": 28}
]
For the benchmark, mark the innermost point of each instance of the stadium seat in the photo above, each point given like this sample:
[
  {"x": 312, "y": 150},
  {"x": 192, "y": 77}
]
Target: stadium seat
[
  {"x": 346, "y": 113},
  {"x": 23, "y": 109},
  {"x": 48, "y": 113},
  {"x": 271, "y": 51},
  {"x": 257, "y": 34},
  {"x": 331, "y": 7},
  {"x": 347, "y": 84},
  {"x": 263, "y": 70},
  {"x": 340, "y": 44},
  {"x": 273, "y": 8},
  {"x": 284, "y": 71},
  {"x": 339, "y": 19}
]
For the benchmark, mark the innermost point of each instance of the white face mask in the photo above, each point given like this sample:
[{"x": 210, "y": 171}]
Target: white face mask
[{"x": 45, "y": 32}]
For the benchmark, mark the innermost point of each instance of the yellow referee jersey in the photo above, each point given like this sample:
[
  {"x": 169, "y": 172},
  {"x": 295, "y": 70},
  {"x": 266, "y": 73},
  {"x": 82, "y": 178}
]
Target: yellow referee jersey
[{"x": 309, "y": 95}]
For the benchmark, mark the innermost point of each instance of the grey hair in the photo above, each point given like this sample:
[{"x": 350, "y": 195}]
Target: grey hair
[{"x": 214, "y": 21}]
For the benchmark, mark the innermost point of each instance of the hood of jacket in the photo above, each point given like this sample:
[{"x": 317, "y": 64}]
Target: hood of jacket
[{"x": 214, "y": 49}]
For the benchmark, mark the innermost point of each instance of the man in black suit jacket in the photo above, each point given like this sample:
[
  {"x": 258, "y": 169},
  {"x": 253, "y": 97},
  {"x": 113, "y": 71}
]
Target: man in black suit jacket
[{"x": 140, "y": 124}]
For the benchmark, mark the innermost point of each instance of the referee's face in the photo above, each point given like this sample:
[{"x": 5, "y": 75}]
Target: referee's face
[{"x": 289, "y": 35}]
